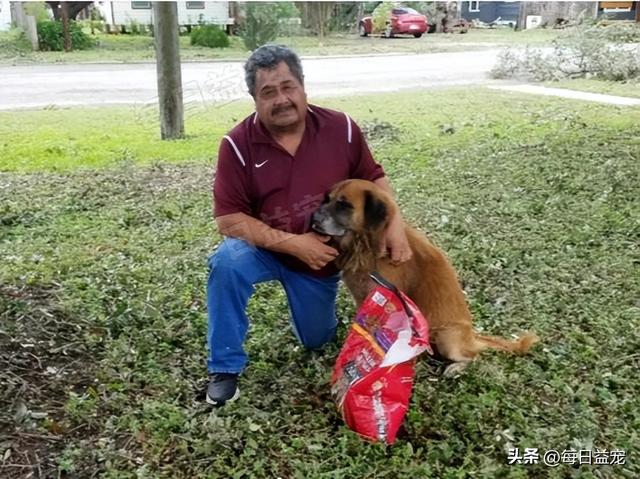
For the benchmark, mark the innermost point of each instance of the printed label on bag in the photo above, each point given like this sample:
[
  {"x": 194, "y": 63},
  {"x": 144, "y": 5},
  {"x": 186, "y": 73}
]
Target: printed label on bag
[{"x": 379, "y": 299}]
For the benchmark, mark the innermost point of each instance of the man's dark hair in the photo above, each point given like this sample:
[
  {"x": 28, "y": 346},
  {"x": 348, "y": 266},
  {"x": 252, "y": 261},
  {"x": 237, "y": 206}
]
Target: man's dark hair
[{"x": 268, "y": 57}]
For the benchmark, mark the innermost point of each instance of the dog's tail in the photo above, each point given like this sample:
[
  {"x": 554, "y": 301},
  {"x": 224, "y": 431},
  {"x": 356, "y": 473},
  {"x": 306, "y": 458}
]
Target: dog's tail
[{"x": 517, "y": 346}]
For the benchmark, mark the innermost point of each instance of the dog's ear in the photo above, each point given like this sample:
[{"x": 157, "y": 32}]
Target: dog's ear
[{"x": 375, "y": 211}]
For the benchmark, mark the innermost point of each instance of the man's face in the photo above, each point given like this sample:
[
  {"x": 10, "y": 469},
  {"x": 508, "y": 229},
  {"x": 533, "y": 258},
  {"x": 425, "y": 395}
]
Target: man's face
[{"x": 281, "y": 101}]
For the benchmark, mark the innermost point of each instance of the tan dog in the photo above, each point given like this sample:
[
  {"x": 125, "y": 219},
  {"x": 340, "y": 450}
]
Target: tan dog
[{"x": 356, "y": 213}]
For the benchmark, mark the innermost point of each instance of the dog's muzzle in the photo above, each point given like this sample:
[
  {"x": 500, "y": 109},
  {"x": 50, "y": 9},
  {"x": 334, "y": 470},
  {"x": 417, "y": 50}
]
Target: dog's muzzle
[{"x": 323, "y": 223}]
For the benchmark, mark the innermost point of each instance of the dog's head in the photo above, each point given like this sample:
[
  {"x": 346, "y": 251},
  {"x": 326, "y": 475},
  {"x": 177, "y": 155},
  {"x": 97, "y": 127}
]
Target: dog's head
[{"x": 353, "y": 207}]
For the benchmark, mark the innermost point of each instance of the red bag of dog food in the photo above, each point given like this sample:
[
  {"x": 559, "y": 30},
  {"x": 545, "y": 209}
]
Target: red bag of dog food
[{"x": 373, "y": 375}]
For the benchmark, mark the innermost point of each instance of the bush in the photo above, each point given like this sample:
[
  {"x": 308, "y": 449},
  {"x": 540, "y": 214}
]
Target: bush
[
  {"x": 51, "y": 37},
  {"x": 381, "y": 16},
  {"x": 134, "y": 27},
  {"x": 37, "y": 10},
  {"x": 620, "y": 32},
  {"x": 14, "y": 43},
  {"x": 210, "y": 36},
  {"x": 260, "y": 24},
  {"x": 289, "y": 21},
  {"x": 92, "y": 25},
  {"x": 290, "y": 27},
  {"x": 344, "y": 18},
  {"x": 586, "y": 51}
]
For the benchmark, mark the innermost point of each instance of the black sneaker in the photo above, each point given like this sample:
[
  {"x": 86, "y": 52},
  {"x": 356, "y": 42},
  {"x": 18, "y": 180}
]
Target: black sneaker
[{"x": 222, "y": 388}]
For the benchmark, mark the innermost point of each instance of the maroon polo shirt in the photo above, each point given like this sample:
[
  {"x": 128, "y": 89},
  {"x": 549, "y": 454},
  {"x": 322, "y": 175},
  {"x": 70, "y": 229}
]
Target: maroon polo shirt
[{"x": 256, "y": 176}]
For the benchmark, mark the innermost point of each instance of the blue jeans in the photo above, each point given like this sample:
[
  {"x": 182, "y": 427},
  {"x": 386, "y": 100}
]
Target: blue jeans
[{"x": 234, "y": 269}]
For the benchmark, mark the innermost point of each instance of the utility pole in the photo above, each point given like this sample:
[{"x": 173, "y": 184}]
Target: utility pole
[{"x": 167, "y": 43}]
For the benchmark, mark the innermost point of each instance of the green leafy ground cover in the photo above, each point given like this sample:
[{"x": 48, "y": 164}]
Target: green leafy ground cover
[
  {"x": 102, "y": 319},
  {"x": 131, "y": 48}
]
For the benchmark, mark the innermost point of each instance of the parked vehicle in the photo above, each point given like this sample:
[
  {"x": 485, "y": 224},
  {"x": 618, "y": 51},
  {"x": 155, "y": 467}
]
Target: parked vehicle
[{"x": 403, "y": 21}]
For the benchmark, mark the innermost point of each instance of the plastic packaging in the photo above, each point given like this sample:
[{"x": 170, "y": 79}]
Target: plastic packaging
[{"x": 373, "y": 375}]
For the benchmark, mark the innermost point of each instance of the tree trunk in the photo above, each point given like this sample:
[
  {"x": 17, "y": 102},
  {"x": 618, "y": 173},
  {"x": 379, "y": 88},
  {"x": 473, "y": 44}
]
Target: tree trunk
[
  {"x": 318, "y": 14},
  {"x": 64, "y": 13},
  {"x": 27, "y": 23},
  {"x": 166, "y": 39},
  {"x": 359, "y": 15},
  {"x": 441, "y": 17},
  {"x": 304, "y": 14},
  {"x": 522, "y": 16}
]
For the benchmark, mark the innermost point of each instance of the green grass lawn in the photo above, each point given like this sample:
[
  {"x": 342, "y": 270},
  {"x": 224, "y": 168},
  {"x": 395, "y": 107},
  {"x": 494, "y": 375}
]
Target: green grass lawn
[
  {"x": 105, "y": 230},
  {"x": 130, "y": 48}
]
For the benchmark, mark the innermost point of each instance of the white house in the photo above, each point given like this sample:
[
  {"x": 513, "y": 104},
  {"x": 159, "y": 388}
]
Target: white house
[
  {"x": 189, "y": 13},
  {"x": 5, "y": 15}
]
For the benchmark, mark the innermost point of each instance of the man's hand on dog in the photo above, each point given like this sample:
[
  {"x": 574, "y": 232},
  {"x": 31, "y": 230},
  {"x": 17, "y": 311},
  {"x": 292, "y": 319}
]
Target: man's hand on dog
[
  {"x": 311, "y": 248},
  {"x": 396, "y": 243}
]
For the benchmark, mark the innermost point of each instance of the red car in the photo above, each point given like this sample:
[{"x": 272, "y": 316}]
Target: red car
[{"x": 403, "y": 20}]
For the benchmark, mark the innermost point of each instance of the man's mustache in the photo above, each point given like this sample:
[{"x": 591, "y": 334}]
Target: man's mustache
[{"x": 280, "y": 109}]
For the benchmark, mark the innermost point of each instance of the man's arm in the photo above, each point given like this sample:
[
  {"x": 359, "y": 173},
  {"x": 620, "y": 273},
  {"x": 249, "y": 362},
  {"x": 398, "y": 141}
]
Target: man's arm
[
  {"x": 384, "y": 184},
  {"x": 308, "y": 247},
  {"x": 395, "y": 239}
]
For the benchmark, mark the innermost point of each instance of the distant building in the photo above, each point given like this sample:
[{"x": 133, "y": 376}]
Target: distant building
[
  {"x": 619, "y": 10},
  {"x": 505, "y": 13},
  {"x": 189, "y": 13},
  {"x": 549, "y": 13}
]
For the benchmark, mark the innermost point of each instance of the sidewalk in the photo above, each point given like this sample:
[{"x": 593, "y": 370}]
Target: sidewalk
[{"x": 564, "y": 93}]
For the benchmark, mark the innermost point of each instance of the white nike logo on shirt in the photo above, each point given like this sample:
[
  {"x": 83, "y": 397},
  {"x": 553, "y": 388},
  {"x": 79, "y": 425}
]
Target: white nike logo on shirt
[{"x": 258, "y": 165}]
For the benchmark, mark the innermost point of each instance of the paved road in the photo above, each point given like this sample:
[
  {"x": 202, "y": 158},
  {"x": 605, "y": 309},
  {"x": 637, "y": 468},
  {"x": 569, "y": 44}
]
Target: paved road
[{"x": 95, "y": 84}]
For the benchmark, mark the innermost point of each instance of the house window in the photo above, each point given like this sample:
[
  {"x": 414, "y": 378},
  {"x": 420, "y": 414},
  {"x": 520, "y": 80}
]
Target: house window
[
  {"x": 474, "y": 6},
  {"x": 195, "y": 5},
  {"x": 141, "y": 5}
]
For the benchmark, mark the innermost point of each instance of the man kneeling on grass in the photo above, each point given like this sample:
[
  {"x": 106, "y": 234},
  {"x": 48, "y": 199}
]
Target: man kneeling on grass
[{"x": 272, "y": 173}]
